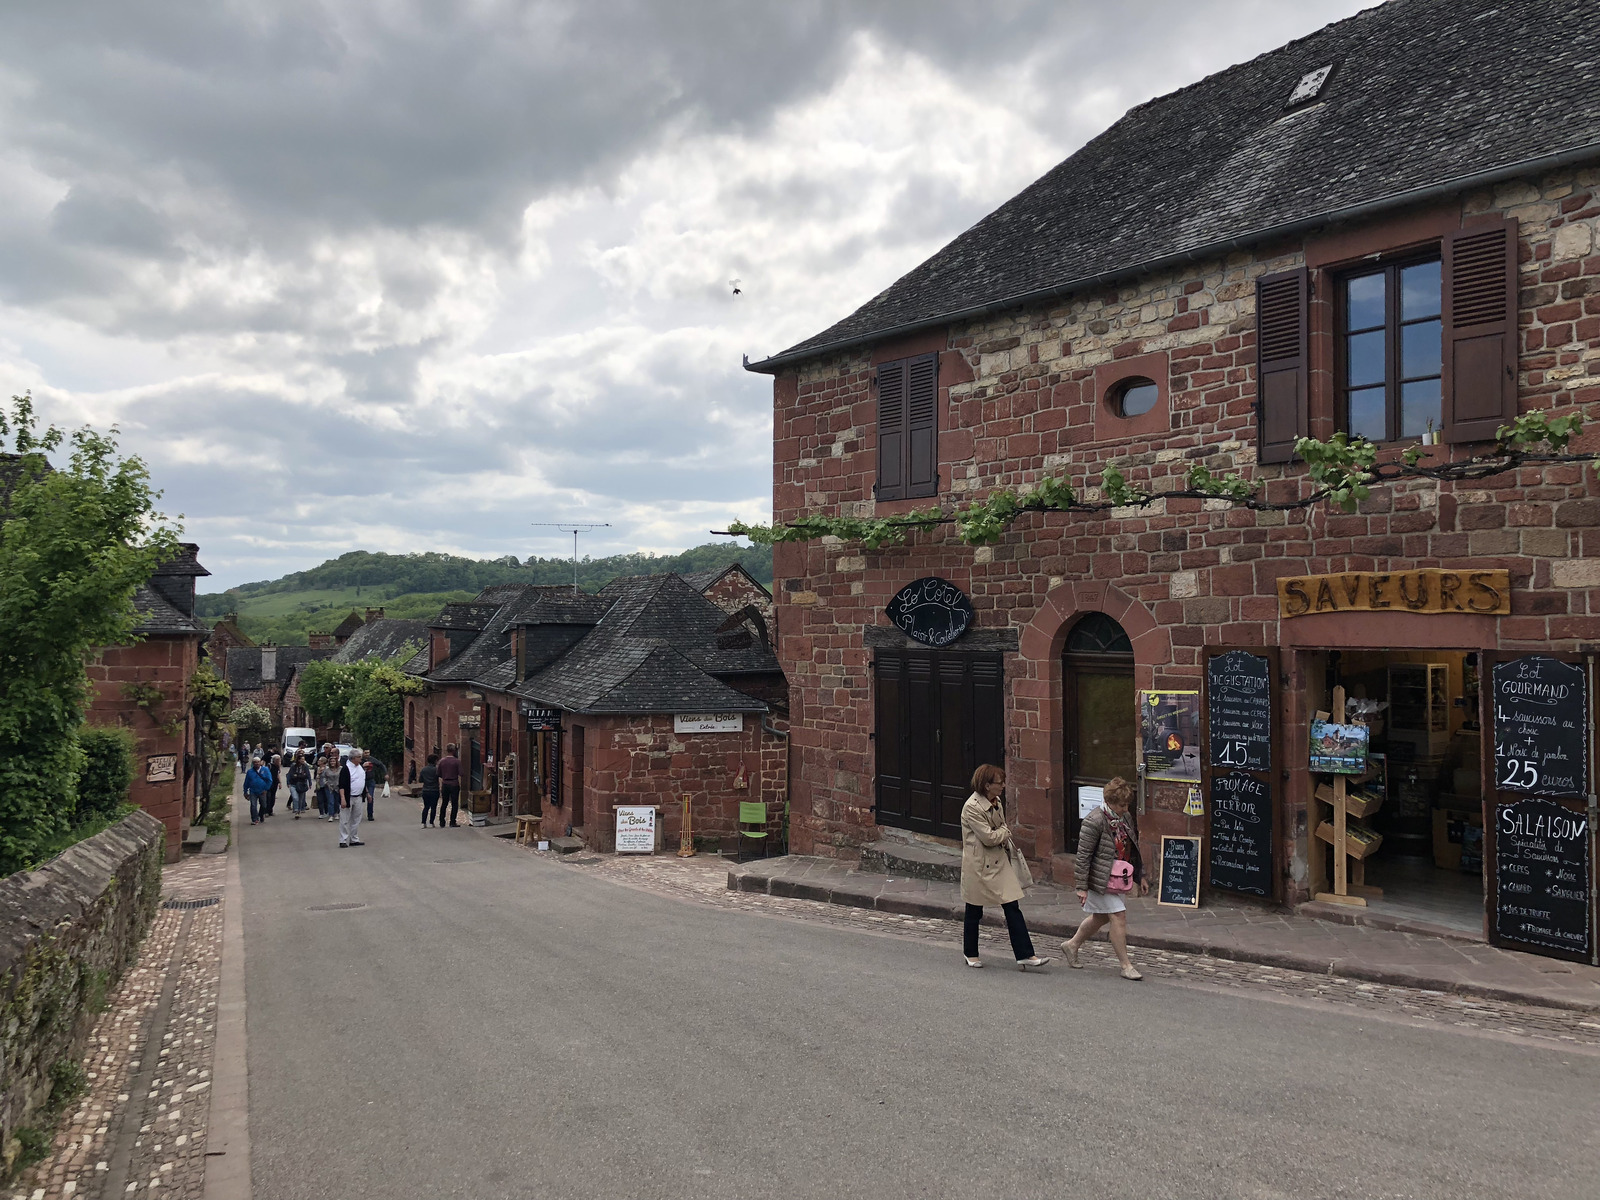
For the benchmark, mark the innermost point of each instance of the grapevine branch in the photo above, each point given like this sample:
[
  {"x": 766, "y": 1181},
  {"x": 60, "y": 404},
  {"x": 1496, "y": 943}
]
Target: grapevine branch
[{"x": 1344, "y": 470}]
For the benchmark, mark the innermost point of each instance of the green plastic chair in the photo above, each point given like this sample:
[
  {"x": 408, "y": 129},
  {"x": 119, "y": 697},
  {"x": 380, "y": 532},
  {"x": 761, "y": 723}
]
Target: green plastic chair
[{"x": 752, "y": 812}]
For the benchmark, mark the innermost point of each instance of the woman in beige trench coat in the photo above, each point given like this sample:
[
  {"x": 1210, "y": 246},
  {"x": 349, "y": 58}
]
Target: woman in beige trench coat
[{"x": 989, "y": 868}]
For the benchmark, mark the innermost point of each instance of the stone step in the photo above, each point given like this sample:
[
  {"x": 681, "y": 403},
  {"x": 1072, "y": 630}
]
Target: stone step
[
  {"x": 215, "y": 844},
  {"x": 566, "y": 845},
  {"x": 194, "y": 837},
  {"x": 913, "y": 860}
]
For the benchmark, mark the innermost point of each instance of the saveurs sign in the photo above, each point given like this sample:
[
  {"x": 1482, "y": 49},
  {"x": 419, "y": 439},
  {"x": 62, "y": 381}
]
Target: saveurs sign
[{"x": 1481, "y": 593}]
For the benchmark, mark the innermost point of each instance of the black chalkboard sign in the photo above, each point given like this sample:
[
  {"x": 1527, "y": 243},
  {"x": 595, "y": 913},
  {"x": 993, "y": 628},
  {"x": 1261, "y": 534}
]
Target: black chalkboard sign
[
  {"x": 1239, "y": 710},
  {"x": 1180, "y": 872},
  {"x": 1241, "y": 834},
  {"x": 1542, "y": 875},
  {"x": 932, "y": 611},
  {"x": 1541, "y": 723}
]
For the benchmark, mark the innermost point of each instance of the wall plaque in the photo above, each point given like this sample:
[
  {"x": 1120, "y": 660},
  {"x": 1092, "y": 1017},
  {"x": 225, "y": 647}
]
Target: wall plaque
[
  {"x": 1482, "y": 593},
  {"x": 932, "y": 611},
  {"x": 160, "y": 768}
]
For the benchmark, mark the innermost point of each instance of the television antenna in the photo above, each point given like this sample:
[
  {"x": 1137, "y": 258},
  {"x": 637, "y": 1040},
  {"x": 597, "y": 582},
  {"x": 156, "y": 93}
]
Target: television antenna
[{"x": 574, "y": 530}]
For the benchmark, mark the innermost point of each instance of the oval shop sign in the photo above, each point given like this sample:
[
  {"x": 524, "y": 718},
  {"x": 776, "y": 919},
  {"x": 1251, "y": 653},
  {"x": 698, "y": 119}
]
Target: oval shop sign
[{"x": 932, "y": 611}]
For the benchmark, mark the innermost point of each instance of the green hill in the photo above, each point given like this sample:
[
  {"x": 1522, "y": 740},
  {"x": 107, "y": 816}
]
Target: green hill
[{"x": 416, "y": 585}]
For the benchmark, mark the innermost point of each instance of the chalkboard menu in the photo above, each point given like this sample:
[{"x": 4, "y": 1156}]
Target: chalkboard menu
[
  {"x": 1239, "y": 710},
  {"x": 1180, "y": 872},
  {"x": 1241, "y": 834},
  {"x": 932, "y": 611},
  {"x": 1542, "y": 875},
  {"x": 1541, "y": 722}
]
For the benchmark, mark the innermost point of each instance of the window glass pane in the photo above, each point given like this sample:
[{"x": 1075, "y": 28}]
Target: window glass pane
[
  {"x": 1138, "y": 398},
  {"x": 1365, "y": 364},
  {"x": 1367, "y": 415},
  {"x": 1364, "y": 301},
  {"x": 1419, "y": 291},
  {"x": 1108, "y": 725},
  {"x": 1419, "y": 404},
  {"x": 1419, "y": 349}
]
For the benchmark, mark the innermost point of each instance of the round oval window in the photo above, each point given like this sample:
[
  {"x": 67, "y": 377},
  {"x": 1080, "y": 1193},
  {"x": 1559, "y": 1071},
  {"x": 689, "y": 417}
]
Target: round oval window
[{"x": 1135, "y": 397}]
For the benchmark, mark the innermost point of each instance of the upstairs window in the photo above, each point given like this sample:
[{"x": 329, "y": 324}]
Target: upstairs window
[
  {"x": 908, "y": 428},
  {"x": 1390, "y": 351}
]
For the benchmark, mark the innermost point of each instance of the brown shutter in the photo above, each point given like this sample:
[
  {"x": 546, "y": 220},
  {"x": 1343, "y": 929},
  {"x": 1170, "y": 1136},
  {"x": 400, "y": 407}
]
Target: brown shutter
[
  {"x": 891, "y": 431},
  {"x": 922, "y": 426},
  {"x": 1480, "y": 330},
  {"x": 1283, "y": 364}
]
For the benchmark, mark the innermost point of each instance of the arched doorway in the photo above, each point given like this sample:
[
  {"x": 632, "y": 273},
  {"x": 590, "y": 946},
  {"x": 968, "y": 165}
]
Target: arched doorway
[{"x": 1100, "y": 718}]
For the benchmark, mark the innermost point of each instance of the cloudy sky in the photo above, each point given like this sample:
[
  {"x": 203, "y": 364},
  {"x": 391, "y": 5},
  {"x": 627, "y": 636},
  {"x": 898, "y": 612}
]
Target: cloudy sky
[{"x": 412, "y": 274}]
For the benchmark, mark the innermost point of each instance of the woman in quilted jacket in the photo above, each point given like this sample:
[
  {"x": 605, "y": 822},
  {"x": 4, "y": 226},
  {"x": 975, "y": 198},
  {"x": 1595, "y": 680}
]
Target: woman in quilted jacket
[{"x": 1109, "y": 867}]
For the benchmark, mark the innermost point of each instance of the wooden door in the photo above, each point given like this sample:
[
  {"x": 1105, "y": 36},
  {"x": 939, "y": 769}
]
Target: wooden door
[
  {"x": 577, "y": 774},
  {"x": 939, "y": 714},
  {"x": 1537, "y": 711},
  {"x": 1102, "y": 728}
]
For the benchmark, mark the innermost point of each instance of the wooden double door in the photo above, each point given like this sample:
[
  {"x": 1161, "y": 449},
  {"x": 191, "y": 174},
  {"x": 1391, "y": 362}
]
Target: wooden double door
[{"x": 939, "y": 715}]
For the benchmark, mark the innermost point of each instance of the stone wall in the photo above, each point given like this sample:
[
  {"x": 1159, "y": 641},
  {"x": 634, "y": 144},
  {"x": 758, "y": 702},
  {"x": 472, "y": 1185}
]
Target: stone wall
[
  {"x": 1023, "y": 394},
  {"x": 68, "y": 930}
]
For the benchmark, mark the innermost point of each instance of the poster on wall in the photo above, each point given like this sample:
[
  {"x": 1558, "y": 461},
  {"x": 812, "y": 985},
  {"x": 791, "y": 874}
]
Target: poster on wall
[
  {"x": 161, "y": 768},
  {"x": 1169, "y": 734},
  {"x": 1339, "y": 749}
]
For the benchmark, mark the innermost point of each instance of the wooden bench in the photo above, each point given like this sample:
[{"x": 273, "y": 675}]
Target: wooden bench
[{"x": 528, "y": 830}]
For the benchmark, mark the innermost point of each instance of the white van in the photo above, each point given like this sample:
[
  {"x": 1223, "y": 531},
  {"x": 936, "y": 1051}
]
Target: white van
[{"x": 295, "y": 738}]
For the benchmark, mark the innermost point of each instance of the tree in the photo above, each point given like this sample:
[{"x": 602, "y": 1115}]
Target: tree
[
  {"x": 326, "y": 689},
  {"x": 208, "y": 696},
  {"x": 251, "y": 723},
  {"x": 376, "y": 713},
  {"x": 76, "y": 539}
]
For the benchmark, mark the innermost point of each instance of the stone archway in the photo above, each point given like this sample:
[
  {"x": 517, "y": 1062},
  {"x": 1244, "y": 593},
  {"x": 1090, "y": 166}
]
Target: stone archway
[{"x": 1035, "y": 767}]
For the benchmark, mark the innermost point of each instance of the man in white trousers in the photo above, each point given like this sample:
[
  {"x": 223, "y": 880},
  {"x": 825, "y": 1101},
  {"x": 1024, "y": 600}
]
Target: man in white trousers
[{"x": 352, "y": 786}]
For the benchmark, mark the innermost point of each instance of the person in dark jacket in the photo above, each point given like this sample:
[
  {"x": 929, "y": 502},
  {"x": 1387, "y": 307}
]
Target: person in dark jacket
[
  {"x": 449, "y": 784},
  {"x": 299, "y": 783},
  {"x": 428, "y": 777},
  {"x": 274, "y": 765},
  {"x": 352, "y": 794},
  {"x": 1109, "y": 835},
  {"x": 377, "y": 776}
]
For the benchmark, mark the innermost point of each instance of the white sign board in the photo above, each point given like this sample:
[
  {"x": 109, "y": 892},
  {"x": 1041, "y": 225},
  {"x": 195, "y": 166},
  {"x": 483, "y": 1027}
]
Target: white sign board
[
  {"x": 708, "y": 723},
  {"x": 1089, "y": 799},
  {"x": 636, "y": 829}
]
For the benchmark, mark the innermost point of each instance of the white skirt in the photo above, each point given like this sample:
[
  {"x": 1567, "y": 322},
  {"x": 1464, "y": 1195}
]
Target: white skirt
[{"x": 1102, "y": 902}]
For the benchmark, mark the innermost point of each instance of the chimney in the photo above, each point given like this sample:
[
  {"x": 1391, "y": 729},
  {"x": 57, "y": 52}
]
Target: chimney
[
  {"x": 438, "y": 648},
  {"x": 231, "y": 618},
  {"x": 269, "y": 664},
  {"x": 320, "y": 641},
  {"x": 374, "y": 613}
]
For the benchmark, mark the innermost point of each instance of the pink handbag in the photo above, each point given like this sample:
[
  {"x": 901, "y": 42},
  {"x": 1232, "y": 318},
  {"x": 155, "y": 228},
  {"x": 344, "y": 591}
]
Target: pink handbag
[{"x": 1121, "y": 880}]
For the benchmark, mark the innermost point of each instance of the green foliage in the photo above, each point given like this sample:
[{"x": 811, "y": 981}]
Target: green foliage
[
  {"x": 251, "y": 723},
  {"x": 376, "y": 718},
  {"x": 208, "y": 695},
  {"x": 326, "y": 689},
  {"x": 1343, "y": 469},
  {"x": 68, "y": 1081},
  {"x": 365, "y": 697},
  {"x": 107, "y": 772},
  {"x": 76, "y": 538},
  {"x": 220, "y": 799}
]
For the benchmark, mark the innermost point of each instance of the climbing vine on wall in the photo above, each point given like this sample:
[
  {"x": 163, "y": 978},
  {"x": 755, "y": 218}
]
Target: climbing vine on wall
[{"x": 1344, "y": 470}]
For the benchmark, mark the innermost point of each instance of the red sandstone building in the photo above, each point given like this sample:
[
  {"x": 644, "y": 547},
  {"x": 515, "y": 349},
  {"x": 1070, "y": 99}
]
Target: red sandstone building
[
  {"x": 1386, "y": 228},
  {"x": 565, "y": 704},
  {"x": 161, "y": 662}
]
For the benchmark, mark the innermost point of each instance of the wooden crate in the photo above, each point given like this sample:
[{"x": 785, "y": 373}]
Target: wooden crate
[
  {"x": 1356, "y": 804},
  {"x": 1360, "y": 841}
]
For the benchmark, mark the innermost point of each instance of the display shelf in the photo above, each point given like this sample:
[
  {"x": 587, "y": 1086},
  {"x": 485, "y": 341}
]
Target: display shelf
[{"x": 1361, "y": 841}]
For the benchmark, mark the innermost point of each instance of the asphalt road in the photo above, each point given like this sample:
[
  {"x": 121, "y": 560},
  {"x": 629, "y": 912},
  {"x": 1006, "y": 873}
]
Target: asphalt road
[{"x": 494, "y": 1023}]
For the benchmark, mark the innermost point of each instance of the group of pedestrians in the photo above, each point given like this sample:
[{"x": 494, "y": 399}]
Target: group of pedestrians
[
  {"x": 441, "y": 787},
  {"x": 993, "y": 871},
  {"x": 345, "y": 787}
]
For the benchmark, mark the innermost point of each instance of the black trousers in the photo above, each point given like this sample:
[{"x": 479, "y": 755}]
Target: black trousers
[
  {"x": 1021, "y": 943},
  {"x": 430, "y": 805},
  {"x": 451, "y": 799}
]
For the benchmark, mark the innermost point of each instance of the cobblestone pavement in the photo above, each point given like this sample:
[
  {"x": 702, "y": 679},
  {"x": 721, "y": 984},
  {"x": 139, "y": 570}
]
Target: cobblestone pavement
[
  {"x": 703, "y": 880},
  {"x": 140, "y": 1127}
]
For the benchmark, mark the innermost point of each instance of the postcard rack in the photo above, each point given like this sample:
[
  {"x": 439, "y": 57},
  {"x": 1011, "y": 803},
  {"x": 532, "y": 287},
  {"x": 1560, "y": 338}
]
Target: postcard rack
[{"x": 1352, "y": 840}]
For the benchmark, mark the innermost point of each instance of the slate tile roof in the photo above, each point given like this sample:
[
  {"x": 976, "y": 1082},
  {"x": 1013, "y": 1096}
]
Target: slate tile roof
[
  {"x": 158, "y": 616},
  {"x": 471, "y": 615},
  {"x": 185, "y": 562},
  {"x": 348, "y": 626},
  {"x": 384, "y": 637},
  {"x": 244, "y": 665},
  {"x": 1424, "y": 93}
]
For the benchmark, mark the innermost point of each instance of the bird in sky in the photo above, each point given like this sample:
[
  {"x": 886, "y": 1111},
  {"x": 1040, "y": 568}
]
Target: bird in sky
[{"x": 734, "y": 284}]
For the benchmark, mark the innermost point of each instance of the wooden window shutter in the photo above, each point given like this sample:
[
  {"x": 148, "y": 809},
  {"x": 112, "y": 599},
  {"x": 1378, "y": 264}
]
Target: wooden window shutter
[
  {"x": 922, "y": 426},
  {"x": 891, "y": 431},
  {"x": 1283, "y": 364},
  {"x": 1480, "y": 330}
]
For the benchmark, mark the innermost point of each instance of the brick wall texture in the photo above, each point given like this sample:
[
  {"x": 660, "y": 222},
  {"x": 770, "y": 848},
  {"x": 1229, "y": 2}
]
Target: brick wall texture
[{"x": 1020, "y": 399}]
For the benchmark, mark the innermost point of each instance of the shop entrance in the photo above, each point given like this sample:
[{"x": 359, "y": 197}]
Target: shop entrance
[
  {"x": 1101, "y": 717},
  {"x": 1421, "y": 840}
]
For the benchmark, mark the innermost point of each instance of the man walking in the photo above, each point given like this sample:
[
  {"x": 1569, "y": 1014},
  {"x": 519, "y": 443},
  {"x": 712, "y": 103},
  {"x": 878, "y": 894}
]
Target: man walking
[
  {"x": 352, "y": 791},
  {"x": 256, "y": 782},
  {"x": 377, "y": 774},
  {"x": 449, "y": 784}
]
